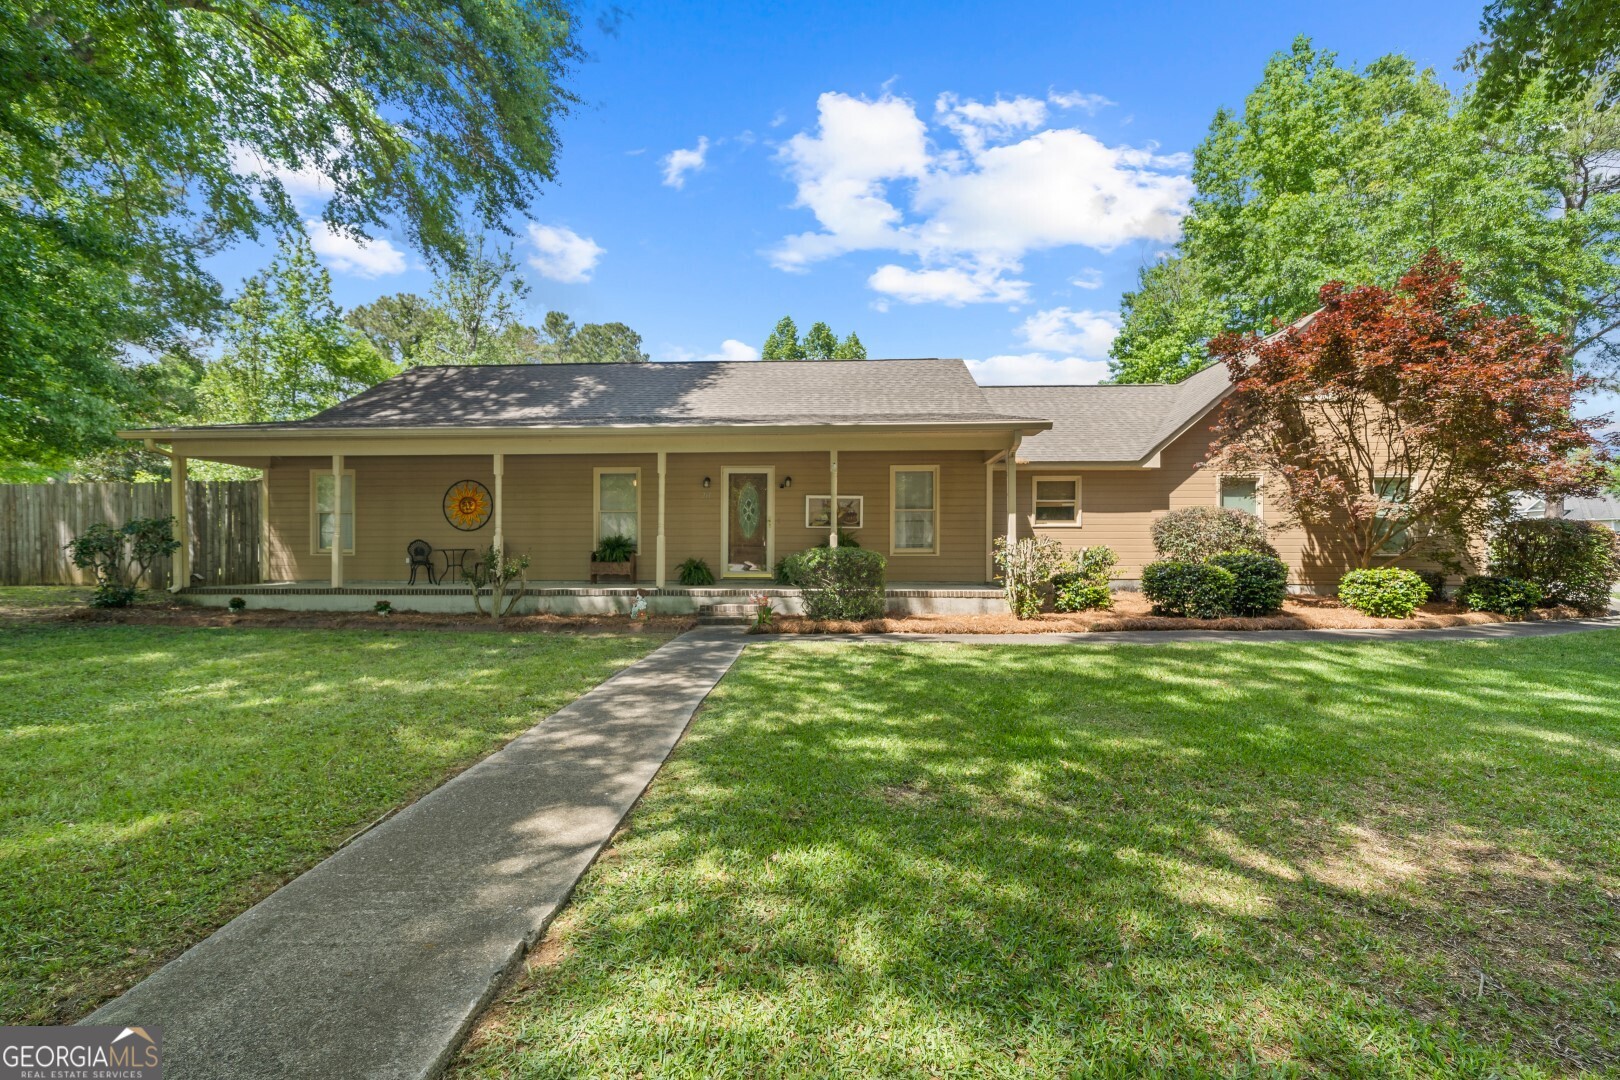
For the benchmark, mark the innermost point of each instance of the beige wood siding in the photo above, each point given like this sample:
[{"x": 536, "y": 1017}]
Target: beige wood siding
[
  {"x": 548, "y": 506},
  {"x": 1118, "y": 508}
]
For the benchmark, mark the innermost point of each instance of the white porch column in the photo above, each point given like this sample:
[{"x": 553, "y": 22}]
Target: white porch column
[
  {"x": 658, "y": 572},
  {"x": 500, "y": 473},
  {"x": 832, "y": 536},
  {"x": 1012, "y": 492},
  {"x": 180, "y": 564},
  {"x": 264, "y": 526},
  {"x": 337, "y": 521}
]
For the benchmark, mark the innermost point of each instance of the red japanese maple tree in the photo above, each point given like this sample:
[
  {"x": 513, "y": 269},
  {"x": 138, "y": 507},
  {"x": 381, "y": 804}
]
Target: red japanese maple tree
[{"x": 1407, "y": 420}]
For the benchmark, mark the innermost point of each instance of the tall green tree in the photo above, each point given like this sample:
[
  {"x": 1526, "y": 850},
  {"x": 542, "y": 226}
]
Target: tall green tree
[
  {"x": 783, "y": 342},
  {"x": 137, "y": 139},
  {"x": 594, "y": 343},
  {"x": 397, "y": 325},
  {"x": 1563, "y": 44},
  {"x": 477, "y": 299},
  {"x": 820, "y": 343},
  {"x": 850, "y": 348},
  {"x": 1336, "y": 174},
  {"x": 287, "y": 353}
]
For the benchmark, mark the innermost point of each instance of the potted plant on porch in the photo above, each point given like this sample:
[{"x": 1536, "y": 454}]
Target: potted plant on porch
[{"x": 615, "y": 556}]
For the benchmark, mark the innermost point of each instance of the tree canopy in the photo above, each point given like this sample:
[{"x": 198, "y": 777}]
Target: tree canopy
[
  {"x": 1405, "y": 420},
  {"x": 1335, "y": 174},
  {"x": 139, "y": 139},
  {"x": 1563, "y": 43},
  {"x": 820, "y": 343}
]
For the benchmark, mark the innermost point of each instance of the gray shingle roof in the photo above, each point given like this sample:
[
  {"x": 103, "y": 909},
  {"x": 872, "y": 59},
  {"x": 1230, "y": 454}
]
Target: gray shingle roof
[
  {"x": 1109, "y": 424},
  {"x": 588, "y": 395}
]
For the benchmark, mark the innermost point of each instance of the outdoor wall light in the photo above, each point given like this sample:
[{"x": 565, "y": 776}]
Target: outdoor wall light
[
  {"x": 706, "y": 481},
  {"x": 787, "y": 482}
]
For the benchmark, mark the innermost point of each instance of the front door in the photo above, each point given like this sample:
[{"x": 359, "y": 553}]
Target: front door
[{"x": 750, "y": 521}]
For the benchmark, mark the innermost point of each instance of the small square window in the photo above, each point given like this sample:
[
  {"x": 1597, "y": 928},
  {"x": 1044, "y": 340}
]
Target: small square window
[
  {"x": 1057, "y": 500},
  {"x": 1240, "y": 493}
]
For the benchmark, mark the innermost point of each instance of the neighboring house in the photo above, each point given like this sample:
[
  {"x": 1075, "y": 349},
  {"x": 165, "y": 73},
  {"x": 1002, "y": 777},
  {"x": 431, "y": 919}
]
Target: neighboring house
[
  {"x": 1603, "y": 509},
  {"x": 737, "y": 464}
]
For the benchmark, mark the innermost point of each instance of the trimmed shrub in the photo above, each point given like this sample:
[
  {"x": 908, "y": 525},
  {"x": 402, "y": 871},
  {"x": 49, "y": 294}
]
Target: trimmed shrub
[
  {"x": 1435, "y": 580},
  {"x": 1084, "y": 587},
  {"x": 1504, "y": 595},
  {"x": 840, "y": 582},
  {"x": 1027, "y": 566},
  {"x": 1192, "y": 589},
  {"x": 236, "y": 603},
  {"x": 694, "y": 573},
  {"x": 1199, "y": 533},
  {"x": 1261, "y": 583},
  {"x": 1385, "y": 593},
  {"x": 1572, "y": 562}
]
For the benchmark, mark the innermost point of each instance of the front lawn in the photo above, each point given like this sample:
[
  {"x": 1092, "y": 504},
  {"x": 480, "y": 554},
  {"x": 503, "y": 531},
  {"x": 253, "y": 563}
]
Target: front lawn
[
  {"x": 155, "y": 781},
  {"x": 1358, "y": 859}
]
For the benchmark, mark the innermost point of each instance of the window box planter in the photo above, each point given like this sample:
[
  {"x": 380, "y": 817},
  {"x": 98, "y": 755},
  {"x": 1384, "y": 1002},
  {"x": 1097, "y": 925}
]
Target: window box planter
[{"x": 626, "y": 569}]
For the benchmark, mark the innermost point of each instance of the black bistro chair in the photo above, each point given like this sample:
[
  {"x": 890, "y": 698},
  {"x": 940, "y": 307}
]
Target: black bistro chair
[{"x": 419, "y": 554}]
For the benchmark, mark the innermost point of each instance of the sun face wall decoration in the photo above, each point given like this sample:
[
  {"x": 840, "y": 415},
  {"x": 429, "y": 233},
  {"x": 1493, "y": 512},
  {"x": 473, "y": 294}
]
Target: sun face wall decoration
[{"x": 467, "y": 505}]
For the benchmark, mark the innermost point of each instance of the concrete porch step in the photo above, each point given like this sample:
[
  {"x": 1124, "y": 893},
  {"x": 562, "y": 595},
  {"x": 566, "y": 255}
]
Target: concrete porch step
[{"x": 725, "y": 614}]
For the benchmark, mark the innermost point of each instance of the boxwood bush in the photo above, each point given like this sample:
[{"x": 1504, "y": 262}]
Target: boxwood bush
[
  {"x": 1571, "y": 562},
  {"x": 1261, "y": 583},
  {"x": 1199, "y": 533},
  {"x": 1504, "y": 595},
  {"x": 1196, "y": 590},
  {"x": 841, "y": 582},
  {"x": 1385, "y": 593}
]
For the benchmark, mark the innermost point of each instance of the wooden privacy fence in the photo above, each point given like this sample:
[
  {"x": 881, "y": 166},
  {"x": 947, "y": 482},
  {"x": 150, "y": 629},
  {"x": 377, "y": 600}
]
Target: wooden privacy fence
[{"x": 38, "y": 520}]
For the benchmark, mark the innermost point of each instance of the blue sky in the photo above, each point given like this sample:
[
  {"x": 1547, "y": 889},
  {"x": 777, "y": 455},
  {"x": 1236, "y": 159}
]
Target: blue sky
[{"x": 979, "y": 181}]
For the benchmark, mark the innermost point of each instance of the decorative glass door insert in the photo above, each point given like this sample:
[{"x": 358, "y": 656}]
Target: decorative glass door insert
[{"x": 748, "y": 524}]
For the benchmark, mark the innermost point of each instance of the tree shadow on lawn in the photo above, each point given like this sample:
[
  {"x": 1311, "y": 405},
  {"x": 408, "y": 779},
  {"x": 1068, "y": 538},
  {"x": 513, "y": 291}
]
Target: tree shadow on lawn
[
  {"x": 156, "y": 781},
  {"x": 1385, "y": 859}
]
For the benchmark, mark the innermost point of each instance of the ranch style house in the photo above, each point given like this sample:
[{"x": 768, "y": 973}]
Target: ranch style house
[{"x": 389, "y": 493}]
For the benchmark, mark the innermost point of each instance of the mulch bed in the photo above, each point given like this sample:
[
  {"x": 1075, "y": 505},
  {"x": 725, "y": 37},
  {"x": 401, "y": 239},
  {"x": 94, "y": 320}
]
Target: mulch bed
[
  {"x": 177, "y": 614},
  {"x": 1131, "y": 611}
]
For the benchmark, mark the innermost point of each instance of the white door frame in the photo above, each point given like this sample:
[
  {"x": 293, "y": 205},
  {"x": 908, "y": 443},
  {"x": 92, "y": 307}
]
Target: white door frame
[{"x": 725, "y": 520}]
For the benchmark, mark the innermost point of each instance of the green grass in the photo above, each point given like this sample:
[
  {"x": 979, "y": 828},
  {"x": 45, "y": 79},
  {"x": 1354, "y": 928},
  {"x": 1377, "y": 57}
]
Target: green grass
[
  {"x": 156, "y": 781},
  {"x": 1361, "y": 860}
]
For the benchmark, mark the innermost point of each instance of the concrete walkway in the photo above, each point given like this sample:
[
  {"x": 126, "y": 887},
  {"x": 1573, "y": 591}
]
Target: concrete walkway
[
  {"x": 1479, "y": 632},
  {"x": 376, "y": 962}
]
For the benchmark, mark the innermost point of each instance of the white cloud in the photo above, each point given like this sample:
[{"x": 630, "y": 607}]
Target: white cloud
[
  {"x": 1089, "y": 278},
  {"x": 951, "y": 285},
  {"x": 975, "y": 123},
  {"x": 843, "y": 171},
  {"x": 677, "y": 163},
  {"x": 730, "y": 349},
  {"x": 1073, "y": 99},
  {"x": 351, "y": 255},
  {"x": 561, "y": 254},
  {"x": 305, "y": 183},
  {"x": 1030, "y": 369},
  {"x": 876, "y": 182},
  {"x": 1063, "y": 330}
]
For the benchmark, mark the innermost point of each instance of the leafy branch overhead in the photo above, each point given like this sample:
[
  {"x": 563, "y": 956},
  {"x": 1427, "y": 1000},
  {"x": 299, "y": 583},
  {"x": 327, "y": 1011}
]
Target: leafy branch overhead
[{"x": 139, "y": 139}]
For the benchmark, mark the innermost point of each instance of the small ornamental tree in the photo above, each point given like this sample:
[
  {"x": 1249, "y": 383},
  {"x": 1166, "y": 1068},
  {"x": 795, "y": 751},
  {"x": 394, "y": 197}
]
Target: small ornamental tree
[
  {"x": 120, "y": 557},
  {"x": 1407, "y": 419},
  {"x": 496, "y": 571}
]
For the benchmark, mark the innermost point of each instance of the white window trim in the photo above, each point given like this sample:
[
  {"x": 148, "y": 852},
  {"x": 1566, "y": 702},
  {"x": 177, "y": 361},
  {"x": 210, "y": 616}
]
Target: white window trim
[
  {"x": 860, "y": 511},
  {"x": 1259, "y": 491},
  {"x": 315, "y": 511},
  {"x": 596, "y": 501},
  {"x": 725, "y": 520},
  {"x": 893, "y": 510},
  {"x": 1380, "y": 481},
  {"x": 1034, "y": 519}
]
